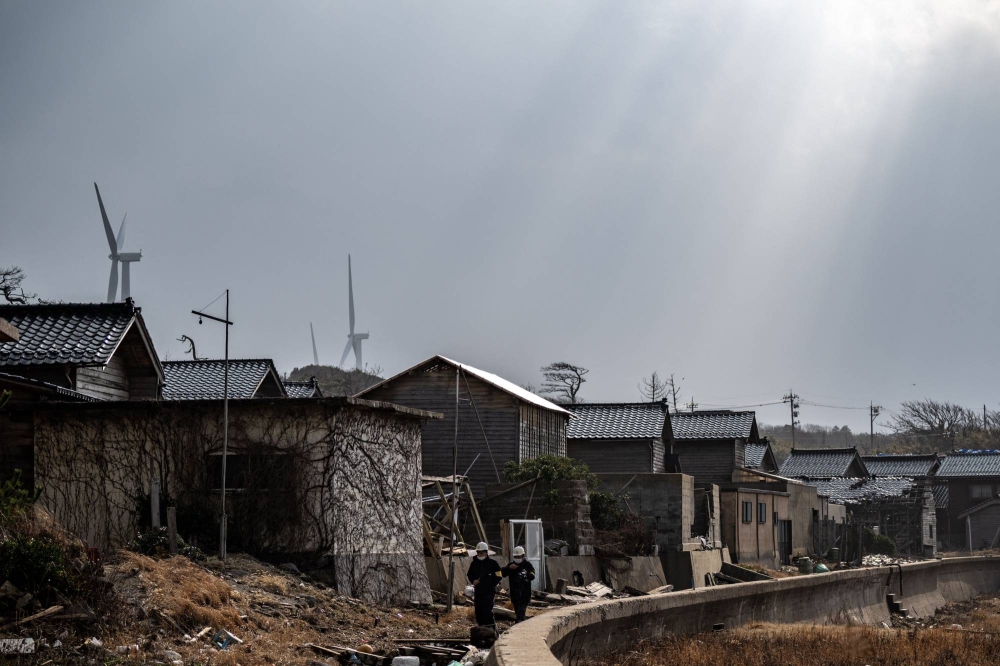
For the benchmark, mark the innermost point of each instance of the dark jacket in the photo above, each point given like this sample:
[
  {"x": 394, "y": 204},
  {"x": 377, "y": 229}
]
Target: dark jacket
[
  {"x": 486, "y": 571},
  {"x": 520, "y": 578}
]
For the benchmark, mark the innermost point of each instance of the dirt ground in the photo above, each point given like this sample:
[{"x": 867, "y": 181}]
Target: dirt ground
[
  {"x": 276, "y": 613},
  {"x": 961, "y": 634}
]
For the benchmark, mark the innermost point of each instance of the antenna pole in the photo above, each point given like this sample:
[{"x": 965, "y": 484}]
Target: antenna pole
[
  {"x": 225, "y": 442},
  {"x": 454, "y": 500}
]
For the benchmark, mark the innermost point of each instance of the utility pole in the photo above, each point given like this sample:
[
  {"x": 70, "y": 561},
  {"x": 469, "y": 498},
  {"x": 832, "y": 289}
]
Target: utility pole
[
  {"x": 692, "y": 405},
  {"x": 225, "y": 425},
  {"x": 793, "y": 405},
  {"x": 873, "y": 412},
  {"x": 454, "y": 500}
]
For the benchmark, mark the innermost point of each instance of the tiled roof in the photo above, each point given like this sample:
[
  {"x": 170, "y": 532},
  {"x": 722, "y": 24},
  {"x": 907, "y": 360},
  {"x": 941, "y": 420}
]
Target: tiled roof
[
  {"x": 887, "y": 464},
  {"x": 753, "y": 455},
  {"x": 941, "y": 496},
  {"x": 819, "y": 463},
  {"x": 76, "y": 333},
  {"x": 848, "y": 491},
  {"x": 36, "y": 384},
  {"x": 958, "y": 464},
  {"x": 302, "y": 389},
  {"x": 620, "y": 420},
  {"x": 205, "y": 380},
  {"x": 713, "y": 425}
]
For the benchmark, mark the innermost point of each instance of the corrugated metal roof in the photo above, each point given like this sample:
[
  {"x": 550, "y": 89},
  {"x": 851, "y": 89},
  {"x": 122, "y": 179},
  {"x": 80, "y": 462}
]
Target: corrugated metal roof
[
  {"x": 894, "y": 464},
  {"x": 820, "y": 463},
  {"x": 204, "y": 380},
  {"x": 716, "y": 424},
  {"x": 74, "y": 333},
  {"x": 620, "y": 420},
  {"x": 955, "y": 464},
  {"x": 488, "y": 377}
]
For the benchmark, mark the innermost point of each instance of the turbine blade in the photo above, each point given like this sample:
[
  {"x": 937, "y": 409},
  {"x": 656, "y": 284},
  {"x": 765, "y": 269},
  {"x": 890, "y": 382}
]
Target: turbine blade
[
  {"x": 315, "y": 355},
  {"x": 107, "y": 225},
  {"x": 347, "y": 350},
  {"x": 113, "y": 281},
  {"x": 126, "y": 283},
  {"x": 121, "y": 234},
  {"x": 350, "y": 293}
]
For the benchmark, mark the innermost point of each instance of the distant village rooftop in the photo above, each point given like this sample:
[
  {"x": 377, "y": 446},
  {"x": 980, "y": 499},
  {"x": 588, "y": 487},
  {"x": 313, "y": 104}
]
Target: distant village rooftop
[
  {"x": 824, "y": 464},
  {"x": 902, "y": 464},
  {"x": 965, "y": 463}
]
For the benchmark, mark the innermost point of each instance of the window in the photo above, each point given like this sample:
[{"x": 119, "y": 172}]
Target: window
[
  {"x": 761, "y": 512},
  {"x": 747, "y": 512},
  {"x": 931, "y": 529},
  {"x": 981, "y": 491}
]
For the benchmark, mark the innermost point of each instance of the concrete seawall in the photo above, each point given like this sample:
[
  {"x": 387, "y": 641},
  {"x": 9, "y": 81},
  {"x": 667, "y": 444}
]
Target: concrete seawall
[{"x": 578, "y": 634}]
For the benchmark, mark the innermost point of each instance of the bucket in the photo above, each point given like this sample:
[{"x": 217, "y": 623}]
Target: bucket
[
  {"x": 805, "y": 565},
  {"x": 470, "y": 591},
  {"x": 834, "y": 555}
]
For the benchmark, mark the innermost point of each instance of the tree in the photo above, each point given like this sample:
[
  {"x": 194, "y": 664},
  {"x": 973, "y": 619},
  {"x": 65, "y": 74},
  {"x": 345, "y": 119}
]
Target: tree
[
  {"x": 563, "y": 380},
  {"x": 10, "y": 285},
  {"x": 673, "y": 390},
  {"x": 930, "y": 418},
  {"x": 653, "y": 388}
]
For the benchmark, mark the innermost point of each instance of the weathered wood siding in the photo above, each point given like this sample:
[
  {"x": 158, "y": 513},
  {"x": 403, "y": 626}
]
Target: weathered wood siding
[
  {"x": 107, "y": 383},
  {"x": 985, "y": 525},
  {"x": 433, "y": 389},
  {"x": 542, "y": 432},
  {"x": 628, "y": 456},
  {"x": 708, "y": 461}
]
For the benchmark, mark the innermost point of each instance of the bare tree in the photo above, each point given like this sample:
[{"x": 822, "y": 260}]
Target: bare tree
[
  {"x": 563, "y": 381},
  {"x": 673, "y": 390},
  {"x": 530, "y": 388},
  {"x": 929, "y": 418},
  {"x": 653, "y": 388},
  {"x": 10, "y": 285}
]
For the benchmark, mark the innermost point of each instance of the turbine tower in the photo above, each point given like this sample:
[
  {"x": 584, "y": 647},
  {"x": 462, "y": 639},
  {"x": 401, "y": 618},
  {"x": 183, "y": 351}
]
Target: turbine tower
[
  {"x": 353, "y": 339},
  {"x": 126, "y": 258},
  {"x": 315, "y": 355}
]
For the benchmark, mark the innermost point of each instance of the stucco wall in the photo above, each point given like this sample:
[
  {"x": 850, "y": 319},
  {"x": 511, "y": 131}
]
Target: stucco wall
[
  {"x": 585, "y": 633},
  {"x": 344, "y": 492}
]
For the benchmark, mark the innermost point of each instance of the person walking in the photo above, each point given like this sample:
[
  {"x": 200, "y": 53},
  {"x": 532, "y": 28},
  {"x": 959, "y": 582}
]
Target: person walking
[
  {"x": 521, "y": 573},
  {"x": 484, "y": 574}
]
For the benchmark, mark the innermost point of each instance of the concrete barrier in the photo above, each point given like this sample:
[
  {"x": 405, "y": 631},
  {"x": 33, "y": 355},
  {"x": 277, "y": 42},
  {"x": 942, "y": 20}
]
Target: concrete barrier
[{"x": 579, "y": 634}]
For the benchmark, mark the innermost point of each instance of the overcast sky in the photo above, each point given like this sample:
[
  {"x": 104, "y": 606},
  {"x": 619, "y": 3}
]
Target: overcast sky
[{"x": 755, "y": 196}]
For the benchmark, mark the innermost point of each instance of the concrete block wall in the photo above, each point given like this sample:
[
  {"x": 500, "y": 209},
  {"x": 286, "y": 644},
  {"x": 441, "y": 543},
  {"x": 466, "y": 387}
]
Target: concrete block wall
[
  {"x": 562, "y": 506},
  {"x": 665, "y": 502},
  {"x": 588, "y": 632}
]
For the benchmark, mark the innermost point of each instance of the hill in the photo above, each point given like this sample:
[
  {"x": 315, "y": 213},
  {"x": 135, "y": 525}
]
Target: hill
[{"x": 337, "y": 381}]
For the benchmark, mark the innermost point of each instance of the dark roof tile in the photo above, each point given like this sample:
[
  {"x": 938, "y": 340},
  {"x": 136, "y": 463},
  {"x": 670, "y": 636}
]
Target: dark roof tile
[
  {"x": 205, "y": 379},
  {"x": 819, "y": 463},
  {"x": 753, "y": 455},
  {"x": 849, "y": 491},
  {"x": 970, "y": 463},
  {"x": 302, "y": 389},
  {"x": 889, "y": 464},
  {"x": 621, "y": 420},
  {"x": 75, "y": 333},
  {"x": 716, "y": 424}
]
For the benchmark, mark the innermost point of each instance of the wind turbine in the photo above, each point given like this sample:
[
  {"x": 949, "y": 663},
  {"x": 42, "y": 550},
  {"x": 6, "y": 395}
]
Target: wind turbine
[
  {"x": 126, "y": 258},
  {"x": 353, "y": 339},
  {"x": 315, "y": 355}
]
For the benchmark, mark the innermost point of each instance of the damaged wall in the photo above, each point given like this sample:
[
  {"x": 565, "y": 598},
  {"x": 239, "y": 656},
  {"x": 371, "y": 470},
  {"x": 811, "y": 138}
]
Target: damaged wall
[
  {"x": 562, "y": 506},
  {"x": 331, "y": 481}
]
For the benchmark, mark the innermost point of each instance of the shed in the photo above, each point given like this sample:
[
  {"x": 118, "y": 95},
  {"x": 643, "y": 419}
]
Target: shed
[{"x": 498, "y": 421}]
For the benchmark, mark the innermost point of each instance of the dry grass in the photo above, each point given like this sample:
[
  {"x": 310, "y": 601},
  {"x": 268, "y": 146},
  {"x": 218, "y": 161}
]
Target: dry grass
[{"x": 819, "y": 646}]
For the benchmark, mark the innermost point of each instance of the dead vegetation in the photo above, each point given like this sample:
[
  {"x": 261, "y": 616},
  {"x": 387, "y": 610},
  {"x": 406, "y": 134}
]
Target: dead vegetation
[{"x": 962, "y": 634}]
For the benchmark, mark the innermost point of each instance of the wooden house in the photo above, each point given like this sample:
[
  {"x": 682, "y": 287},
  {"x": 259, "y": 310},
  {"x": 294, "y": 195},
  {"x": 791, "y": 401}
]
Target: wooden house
[
  {"x": 498, "y": 421},
  {"x": 711, "y": 445},
  {"x": 619, "y": 437},
  {"x": 101, "y": 350},
  {"x": 964, "y": 480}
]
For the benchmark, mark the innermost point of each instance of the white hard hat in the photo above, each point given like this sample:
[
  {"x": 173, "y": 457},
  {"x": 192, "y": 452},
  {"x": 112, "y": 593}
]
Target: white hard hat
[
  {"x": 482, "y": 547},
  {"x": 519, "y": 552}
]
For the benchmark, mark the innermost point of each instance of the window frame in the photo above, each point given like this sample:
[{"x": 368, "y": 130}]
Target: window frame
[
  {"x": 762, "y": 513},
  {"x": 747, "y": 511},
  {"x": 974, "y": 487}
]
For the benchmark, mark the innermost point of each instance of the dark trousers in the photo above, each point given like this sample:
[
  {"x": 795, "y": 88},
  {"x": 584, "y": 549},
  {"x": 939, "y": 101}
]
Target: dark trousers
[
  {"x": 484, "y": 605},
  {"x": 520, "y": 602}
]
